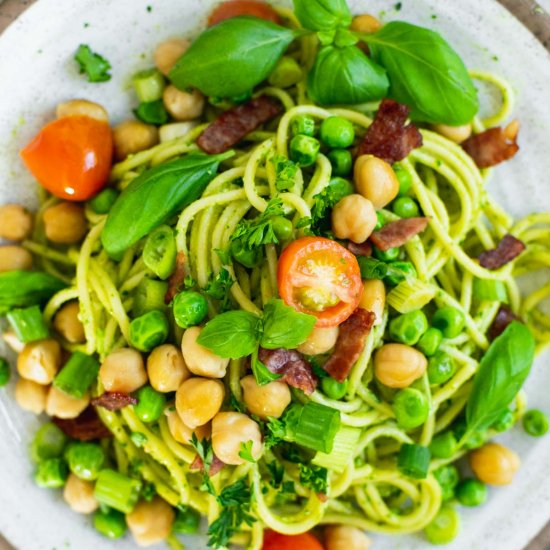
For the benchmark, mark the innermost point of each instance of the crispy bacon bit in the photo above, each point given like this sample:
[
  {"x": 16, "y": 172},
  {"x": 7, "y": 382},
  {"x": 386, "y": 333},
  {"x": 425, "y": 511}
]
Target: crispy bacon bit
[
  {"x": 508, "y": 249},
  {"x": 389, "y": 137},
  {"x": 215, "y": 467},
  {"x": 85, "y": 427},
  {"x": 322, "y": 497},
  {"x": 395, "y": 234},
  {"x": 114, "y": 401},
  {"x": 176, "y": 279},
  {"x": 233, "y": 125},
  {"x": 362, "y": 249},
  {"x": 291, "y": 364},
  {"x": 350, "y": 343},
  {"x": 493, "y": 146},
  {"x": 503, "y": 318}
]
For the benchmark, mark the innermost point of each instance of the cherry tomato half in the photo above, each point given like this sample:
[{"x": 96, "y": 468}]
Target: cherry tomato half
[
  {"x": 320, "y": 277},
  {"x": 234, "y": 8},
  {"x": 71, "y": 157},
  {"x": 276, "y": 541}
]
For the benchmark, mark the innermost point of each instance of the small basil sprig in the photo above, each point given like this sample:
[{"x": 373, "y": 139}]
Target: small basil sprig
[
  {"x": 322, "y": 15},
  {"x": 230, "y": 58},
  {"x": 345, "y": 75},
  {"x": 501, "y": 374},
  {"x": 425, "y": 73}
]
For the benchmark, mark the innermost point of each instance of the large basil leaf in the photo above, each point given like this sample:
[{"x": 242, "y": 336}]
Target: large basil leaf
[
  {"x": 502, "y": 372},
  {"x": 26, "y": 288},
  {"x": 229, "y": 59},
  {"x": 322, "y": 15},
  {"x": 345, "y": 76},
  {"x": 154, "y": 197},
  {"x": 425, "y": 73}
]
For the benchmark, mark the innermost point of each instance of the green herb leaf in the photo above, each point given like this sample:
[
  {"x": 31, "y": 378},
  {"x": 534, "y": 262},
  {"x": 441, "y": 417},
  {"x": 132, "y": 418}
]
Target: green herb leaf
[
  {"x": 501, "y": 374},
  {"x": 334, "y": 192},
  {"x": 345, "y": 76},
  {"x": 314, "y": 478},
  {"x": 152, "y": 112},
  {"x": 275, "y": 432},
  {"x": 285, "y": 172},
  {"x": 277, "y": 472},
  {"x": 425, "y": 73},
  {"x": 92, "y": 64},
  {"x": 259, "y": 231},
  {"x": 262, "y": 374},
  {"x": 219, "y": 288},
  {"x": 322, "y": 15},
  {"x": 206, "y": 454},
  {"x": 246, "y": 451},
  {"x": 232, "y": 57}
]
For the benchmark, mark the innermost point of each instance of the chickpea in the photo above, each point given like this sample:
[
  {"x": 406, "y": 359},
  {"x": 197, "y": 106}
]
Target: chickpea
[
  {"x": 511, "y": 131},
  {"x": 65, "y": 223},
  {"x": 398, "y": 365},
  {"x": 31, "y": 396},
  {"x": 166, "y": 368},
  {"x": 14, "y": 257},
  {"x": 375, "y": 180},
  {"x": 319, "y": 341},
  {"x": 12, "y": 341},
  {"x": 183, "y": 105},
  {"x": 198, "y": 400},
  {"x": 494, "y": 464},
  {"x": 373, "y": 299},
  {"x": 269, "y": 400},
  {"x": 365, "y": 23},
  {"x": 133, "y": 136},
  {"x": 82, "y": 107},
  {"x": 345, "y": 537},
  {"x": 199, "y": 360},
  {"x": 458, "y": 134},
  {"x": 168, "y": 52},
  {"x": 175, "y": 130},
  {"x": 182, "y": 433},
  {"x": 15, "y": 222},
  {"x": 68, "y": 324},
  {"x": 230, "y": 430},
  {"x": 39, "y": 361},
  {"x": 123, "y": 370},
  {"x": 62, "y": 405},
  {"x": 151, "y": 522},
  {"x": 354, "y": 218},
  {"x": 79, "y": 495}
]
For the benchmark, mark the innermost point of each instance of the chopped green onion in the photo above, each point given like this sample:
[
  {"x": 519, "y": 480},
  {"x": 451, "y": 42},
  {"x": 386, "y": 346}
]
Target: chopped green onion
[
  {"x": 117, "y": 490},
  {"x": 152, "y": 112},
  {"x": 48, "y": 442},
  {"x": 51, "y": 473},
  {"x": 159, "y": 252},
  {"x": 493, "y": 291},
  {"x": 78, "y": 374},
  {"x": 187, "y": 521},
  {"x": 410, "y": 295},
  {"x": 444, "y": 527},
  {"x": 5, "y": 372},
  {"x": 149, "y": 296},
  {"x": 414, "y": 460},
  {"x": 28, "y": 324},
  {"x": 110, "y": 523},
  {"x": 149, "y": 85},
  {"x": 342, "y": 452}
]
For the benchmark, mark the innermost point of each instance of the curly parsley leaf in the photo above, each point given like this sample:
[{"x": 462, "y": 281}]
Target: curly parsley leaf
[
  {"x": 92, "y": 64},
  {"x": 275, "y": 432},
  {"x": 325, "y": 201},
  {"x": 259, "y": 231},
  {"x": 246, "y": 451},
  {"x": 314, "y": 478},
  {"x": 285, "y": 172},
  {"x": 219, "y": 288}
]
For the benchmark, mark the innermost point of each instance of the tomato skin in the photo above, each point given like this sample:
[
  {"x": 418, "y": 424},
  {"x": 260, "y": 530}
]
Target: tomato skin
[
  {"x": 71, "y": 157},
  {"x": 276, "y": 541},
  {"x": 234, "y": 8},
  {"x": 319, "y": 263}
]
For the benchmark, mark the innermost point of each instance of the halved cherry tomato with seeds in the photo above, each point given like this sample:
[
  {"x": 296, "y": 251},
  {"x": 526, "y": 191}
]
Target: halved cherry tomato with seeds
[
  {"x": 234, "y": 8},
  {"x": 276, "y": 541},
  {"x": 320, "y": 277}
]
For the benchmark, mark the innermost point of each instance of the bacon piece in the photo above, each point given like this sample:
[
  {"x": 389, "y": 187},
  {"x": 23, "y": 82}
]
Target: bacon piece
[
  {"x": 114, "y": 400},
  {"x": 507, "y": 249},
  {"x": 292, "y": 365},
  {"x": 215, "y": 467},
  {"x": 503, "y": 318},
  {"x": 233, "y": 125},
  {"x": 85, "y": 427},
  {"x": 389, "y": 137},
  {"x": 395, "y": 234},
  {"x": 362, "y": 249},
  {"x": 493, "y": 146},
  {"x": 176, "y": 279},
  {"x": 350, "y": 343}
]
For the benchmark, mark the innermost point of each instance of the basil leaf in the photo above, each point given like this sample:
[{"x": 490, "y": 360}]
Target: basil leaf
[
  {"x": 501, "y": 374},
  {"x": 232, "y": 335},
  {"x": 345, "y": 76},
  {"x": 262, "y": 374},
  {"x": 154, "y": 197},
  {"x": 322, "y": 15},
  {"x": 425, "y": 73},
  {"x": 232, "y": 57},
  {"x": 284, "y": 327}
]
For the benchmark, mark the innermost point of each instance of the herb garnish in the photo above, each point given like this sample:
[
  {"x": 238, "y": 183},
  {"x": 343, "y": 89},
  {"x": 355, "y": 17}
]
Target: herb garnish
[{"x": 92, "y": 64}]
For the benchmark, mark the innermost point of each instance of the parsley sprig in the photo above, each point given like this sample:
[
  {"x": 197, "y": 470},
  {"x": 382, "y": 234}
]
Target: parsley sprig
[
  {"x": 259, "y": 231},
  {"x": 92, "y": 64}
]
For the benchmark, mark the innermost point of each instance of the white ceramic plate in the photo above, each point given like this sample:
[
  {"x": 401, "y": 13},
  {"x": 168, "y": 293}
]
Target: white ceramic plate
[{"x": 37, "y": 71}]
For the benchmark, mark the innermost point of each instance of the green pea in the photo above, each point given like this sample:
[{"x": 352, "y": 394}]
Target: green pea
[
  {"x": 286, "y": 73},
  {"x": 449, "y": 320},
  {"x": 149, "y": 295},
  {"x": 48, "y": 442},
  {"x": 386, "y": 255},
  {"x": 51, "y": 473},
  {"x": 160, "y": 252},
  {"x": 430, "y": 341},
  {"x": 404, "y": 178},
  {"x": 304, "y": 150},
  {"x": 444, "y": 445},
  {"x": 110, "y": 523},
  {"x": 337, "y": 132},
  {"x": 249, "y": 257},
  {"x": 441, "y": 368},
  {"x": 303, "y": 125},
  {"x": 380, "y": 221},
  {"x": 403, "y": 270},
  {"x": 411, "y": 408},
  {"x": 447, "y": 477},
  {"x": 341, "y": 161},
  {"x": 340, "y": 188},
  {"x": 85, "y": 460},
  {"x": 444, "y": 527},
  {"x": 282, "y": 228},
  {"x": 409, "y": 327},
  {"x": 475, "y": 439},
  {"x": 190, "y": 308},
  {"x": 471, "y": 492},
  {"x": 5, "y": 372},
  {"x": 405, "y": 207},
  {"x": 505, "y": 421},
  {"x": 535, "y": 423},
  {"x": 187, "y": 521},
  {"x": 150, "y": 404},
  {"x": 334, "y": 389},
  {"x": 149, "y": 330},
  {"x": 103, "y": 201}
]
